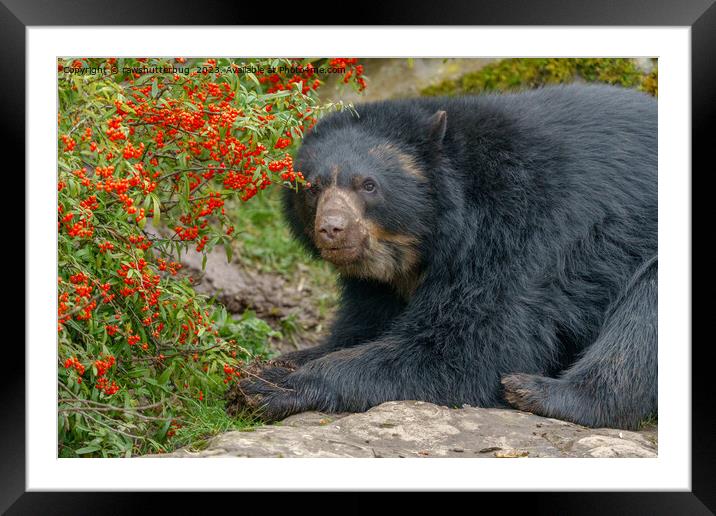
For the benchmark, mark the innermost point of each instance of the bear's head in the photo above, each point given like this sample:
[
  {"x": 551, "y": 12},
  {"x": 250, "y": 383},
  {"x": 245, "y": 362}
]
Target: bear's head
[{"x": 369, "y": 208}]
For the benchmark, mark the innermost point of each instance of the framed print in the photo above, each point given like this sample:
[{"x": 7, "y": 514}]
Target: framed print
[{"x": 461, "y": 263}]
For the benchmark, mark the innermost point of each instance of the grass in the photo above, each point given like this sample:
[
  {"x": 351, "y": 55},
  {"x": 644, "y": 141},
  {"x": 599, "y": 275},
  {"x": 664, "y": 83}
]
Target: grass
[
  {"x": 206, "y": 421},
  {"x": 265, "y": 244},
  {"x": 648, "y": 422}
]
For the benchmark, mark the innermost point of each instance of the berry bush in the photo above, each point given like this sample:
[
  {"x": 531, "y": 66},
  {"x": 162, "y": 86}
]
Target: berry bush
[{"x": 149, "y": 153}]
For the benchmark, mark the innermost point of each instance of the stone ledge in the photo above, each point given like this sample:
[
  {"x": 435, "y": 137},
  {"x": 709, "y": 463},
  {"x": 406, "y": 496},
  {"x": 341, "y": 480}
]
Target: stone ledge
[{"x": 420, "y": 429}]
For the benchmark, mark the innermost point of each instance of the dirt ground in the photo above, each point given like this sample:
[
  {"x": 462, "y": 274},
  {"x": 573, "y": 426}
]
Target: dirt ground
[{"x": 288, "y": 305}]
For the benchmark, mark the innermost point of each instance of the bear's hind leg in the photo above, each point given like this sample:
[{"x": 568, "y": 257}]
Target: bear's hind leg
[{"x": 614, "y": 383}]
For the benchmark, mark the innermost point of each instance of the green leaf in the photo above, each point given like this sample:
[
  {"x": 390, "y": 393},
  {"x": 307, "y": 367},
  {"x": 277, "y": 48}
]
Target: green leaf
[
  {"x": 164, "y": 377},
  {"x": 157, "y": 210},
  {"x": 137, "y": 373},
  {"x": 87, "y": 449},
  {"x": 253, "y": 78},
  {"x": 162, "y": 432}
]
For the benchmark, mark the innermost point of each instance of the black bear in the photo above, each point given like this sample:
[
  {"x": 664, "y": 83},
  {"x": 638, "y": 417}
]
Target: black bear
[{"x": 492, "y": 250}]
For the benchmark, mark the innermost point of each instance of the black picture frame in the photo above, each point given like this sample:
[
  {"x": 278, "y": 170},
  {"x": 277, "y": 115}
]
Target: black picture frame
[{"x": 17, "y": 15}]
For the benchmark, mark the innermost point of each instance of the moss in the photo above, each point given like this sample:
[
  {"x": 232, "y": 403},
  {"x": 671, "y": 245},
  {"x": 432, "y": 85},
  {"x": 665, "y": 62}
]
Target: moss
[
  {"x": 650, "y": 83},
  {"x": 525, "y": 73}
]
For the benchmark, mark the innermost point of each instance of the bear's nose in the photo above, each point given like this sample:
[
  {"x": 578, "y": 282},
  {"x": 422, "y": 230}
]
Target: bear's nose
[{"x": 332, "y": 226}]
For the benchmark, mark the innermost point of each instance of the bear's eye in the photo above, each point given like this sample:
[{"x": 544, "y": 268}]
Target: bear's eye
[{"x": 369, "y": 186}]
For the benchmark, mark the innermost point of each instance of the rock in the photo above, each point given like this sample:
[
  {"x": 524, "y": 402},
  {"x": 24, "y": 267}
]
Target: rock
[{"x": 420, "y": 429}]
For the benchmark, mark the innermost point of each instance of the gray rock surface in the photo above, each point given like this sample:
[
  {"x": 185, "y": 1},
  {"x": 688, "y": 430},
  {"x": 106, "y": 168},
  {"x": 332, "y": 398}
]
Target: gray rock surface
[{"x": 420, "y": 429}]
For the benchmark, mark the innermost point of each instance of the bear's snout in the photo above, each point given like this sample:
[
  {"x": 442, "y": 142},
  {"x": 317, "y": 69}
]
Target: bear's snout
[
  {"x": 338, "y": 232},
  {"x": 339, "y": 238},
  {"x": 332, "y": 227}
]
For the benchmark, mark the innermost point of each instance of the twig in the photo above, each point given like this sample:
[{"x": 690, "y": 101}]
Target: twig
[
  {"x": 99, "y": 409},
  {"x": 131, "y": 436},
  {"x": 107, "y": 406}
]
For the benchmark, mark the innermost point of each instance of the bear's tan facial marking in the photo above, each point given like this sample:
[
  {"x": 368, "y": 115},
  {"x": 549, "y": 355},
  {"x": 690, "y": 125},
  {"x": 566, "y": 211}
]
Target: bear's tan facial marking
[
  {"x": 389, "y": 257},
  {"x": 334, "y": 175},
  {"x": 407, "y": 162},
  {"x": 340, "y": 199},
  {"x": 359, "y": 247},
  {"x": 338, "y": 230}
]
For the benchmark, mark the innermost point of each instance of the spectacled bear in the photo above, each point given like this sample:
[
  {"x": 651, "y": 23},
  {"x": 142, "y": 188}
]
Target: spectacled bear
[{"x": 493, "y": 250}]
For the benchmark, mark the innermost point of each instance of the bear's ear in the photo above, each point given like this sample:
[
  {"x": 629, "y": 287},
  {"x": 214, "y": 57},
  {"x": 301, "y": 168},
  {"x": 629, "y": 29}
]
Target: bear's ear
[{"x": 438, "y": 126}]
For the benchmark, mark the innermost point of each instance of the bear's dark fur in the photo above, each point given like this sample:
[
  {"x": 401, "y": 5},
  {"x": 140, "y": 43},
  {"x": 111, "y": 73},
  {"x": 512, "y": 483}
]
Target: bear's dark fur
[{"x": 530, "y": 224}]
